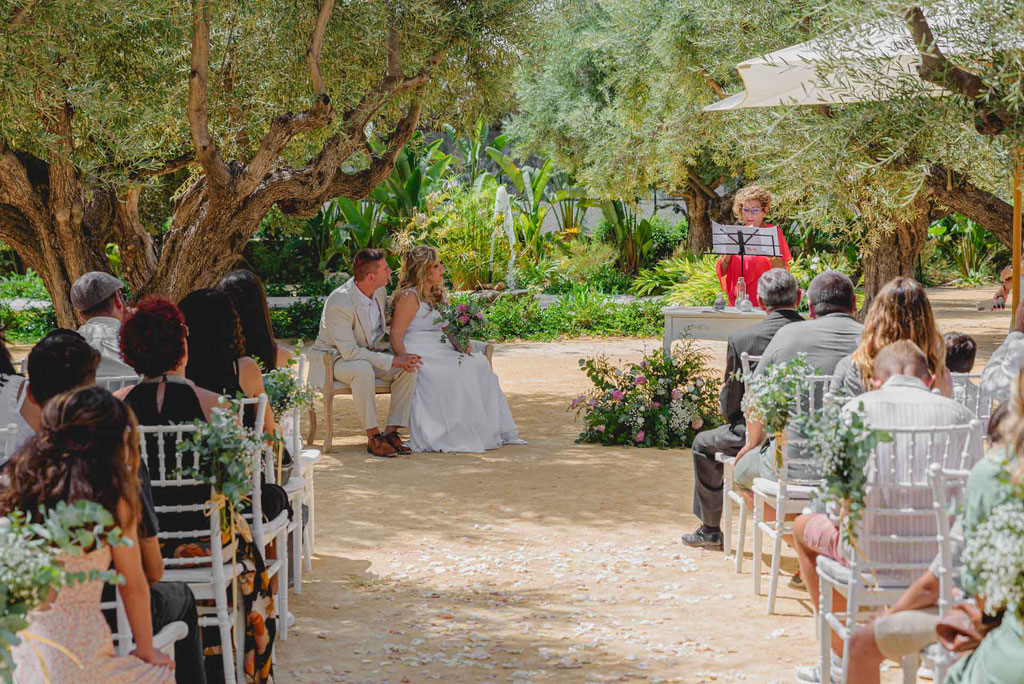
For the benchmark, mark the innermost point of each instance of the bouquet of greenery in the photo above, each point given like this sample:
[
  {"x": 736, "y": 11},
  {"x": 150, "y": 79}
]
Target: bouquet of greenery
[
  {"x": 225, "y": 451},
  {"x": 771, "y": 397},
  {"x": 29, "y": 568},
  {"x": 992, "y": 555},
  {"x": 461, "y": 321},
  {"x": 285, "y": 391},
  {"x": 662, "y": 401},
  {"x": 841, "y": 442}
]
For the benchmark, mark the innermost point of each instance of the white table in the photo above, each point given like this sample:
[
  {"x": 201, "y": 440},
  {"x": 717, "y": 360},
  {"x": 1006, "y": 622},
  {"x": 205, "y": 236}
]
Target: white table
[{"x": 704, "y": 323}]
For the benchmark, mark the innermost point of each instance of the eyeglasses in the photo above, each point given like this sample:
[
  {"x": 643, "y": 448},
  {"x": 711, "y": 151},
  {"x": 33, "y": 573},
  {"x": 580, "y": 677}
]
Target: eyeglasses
[{"x": 751, "y": 210}]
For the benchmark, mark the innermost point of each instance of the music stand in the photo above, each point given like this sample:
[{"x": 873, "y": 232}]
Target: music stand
[{"x": 744, "y": 241}]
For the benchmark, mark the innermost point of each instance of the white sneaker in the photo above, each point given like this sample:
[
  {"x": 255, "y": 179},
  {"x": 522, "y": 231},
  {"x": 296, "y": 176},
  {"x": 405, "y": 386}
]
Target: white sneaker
[{"x": 811, "y": 674}]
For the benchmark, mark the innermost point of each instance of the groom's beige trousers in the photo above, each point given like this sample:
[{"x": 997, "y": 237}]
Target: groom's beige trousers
[{"x": 361, "y": 376}]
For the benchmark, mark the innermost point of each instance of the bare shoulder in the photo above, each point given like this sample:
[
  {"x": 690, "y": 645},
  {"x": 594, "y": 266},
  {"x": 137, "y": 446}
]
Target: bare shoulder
[
  {"x": 407, "y": 300},
  {"x": 284, "y": 357},
  {"x": 123, "y": 392}
]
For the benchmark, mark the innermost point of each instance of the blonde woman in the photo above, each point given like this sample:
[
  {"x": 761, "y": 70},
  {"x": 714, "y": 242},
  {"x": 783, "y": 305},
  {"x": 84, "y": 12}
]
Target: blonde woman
[
  {"x": 458, "y": 404},
  {"x": 900, "y": 311}
]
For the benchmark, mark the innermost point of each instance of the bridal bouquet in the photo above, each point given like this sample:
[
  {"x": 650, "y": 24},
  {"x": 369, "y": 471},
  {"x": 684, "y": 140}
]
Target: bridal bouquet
[
  {"x": 29, "y": 566},
  {"x": 461, "y": 321}
]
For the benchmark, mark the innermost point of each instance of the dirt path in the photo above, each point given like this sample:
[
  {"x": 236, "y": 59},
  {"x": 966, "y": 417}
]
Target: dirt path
[{"x": 552, "y": 562}]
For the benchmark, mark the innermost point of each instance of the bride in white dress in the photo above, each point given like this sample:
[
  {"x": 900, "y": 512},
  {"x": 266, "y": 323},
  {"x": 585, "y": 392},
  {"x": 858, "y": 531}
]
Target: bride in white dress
[{"x": 458, "y": 404}]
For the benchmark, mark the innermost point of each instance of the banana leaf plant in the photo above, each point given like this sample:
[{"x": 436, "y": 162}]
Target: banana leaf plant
[
  {"x": 420, "y": 169},
  {"x": 351, "y": 226},
  {"x": 632, "y": 236}
]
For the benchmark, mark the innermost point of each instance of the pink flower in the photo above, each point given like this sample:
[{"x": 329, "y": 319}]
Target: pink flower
[
  {"x": 480, "y": 316},
  {"x": 655, "y": 404},
  {"x": 617, "y": 395},
  {"x": 676, "y": 393},
  {"x": 599, "y": 428},
  {"x": 640, "y": 436},
  {"x": 640, "y": 380},
  {"x": 462, "y": 308},
  {"x": 645, "y": 364},
  {"x": 575, "y": 403},
  {"x": 592, "y": 402},
  {"x": 463, "y": 319},
  {"x": 697, "y": 423}
]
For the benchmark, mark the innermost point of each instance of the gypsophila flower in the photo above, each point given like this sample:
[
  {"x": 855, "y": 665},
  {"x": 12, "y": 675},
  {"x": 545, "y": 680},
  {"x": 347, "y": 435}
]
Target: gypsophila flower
[{"x": 992, "y": 554}]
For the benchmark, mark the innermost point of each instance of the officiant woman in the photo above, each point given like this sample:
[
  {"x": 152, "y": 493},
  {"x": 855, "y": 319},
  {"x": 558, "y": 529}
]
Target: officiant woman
[{"x": 750, "y": 206}]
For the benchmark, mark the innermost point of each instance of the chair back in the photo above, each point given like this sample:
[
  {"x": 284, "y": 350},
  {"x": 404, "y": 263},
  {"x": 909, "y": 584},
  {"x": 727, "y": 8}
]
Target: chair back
[
  {"x": 169, "y": 483},
  {"x": 288, "y": 425},
  {"x": 948, "y": 487},
  {"x": 255, "y": 517},
  {"x": 122, "y": 633},
  {"x": 797, "y": 463},
  {"x": 966, "y": 391},
  {"x": 748, "y": 362},
  {"x": 112, "y": 383},
  {"x": 897, "y": 532},
  {"x": 9, "y": 437}
]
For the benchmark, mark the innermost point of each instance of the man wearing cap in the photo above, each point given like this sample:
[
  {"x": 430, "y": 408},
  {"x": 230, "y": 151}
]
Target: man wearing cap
[{"x": 97, "y": 297}]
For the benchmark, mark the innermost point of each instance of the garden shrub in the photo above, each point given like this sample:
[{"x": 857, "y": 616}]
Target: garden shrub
[
  {"x": 665, "y": 237},
  {"x": 461, "y": 229},
  {"x": 26, "y": 327},
  {"x": 588, "y": 263},
  {"x": 659, "y": 402},
  {"x": 29, "y": 286},
  {"x": 299, "y": 321}
]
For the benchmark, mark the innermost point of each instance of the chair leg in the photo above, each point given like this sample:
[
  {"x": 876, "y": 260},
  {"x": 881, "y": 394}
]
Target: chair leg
[
  {"x": 726, "y": 514},
  {"x": 239, "y": 649},
  {"x": 824, "y": 630},
  {"x": 910, "y": 663},
  {"x": 312, "y": 425},
  {"x": 296, "y": 551},
  {"x": 329, "y": 422},
  {"x": 758, "y": 513},
  {"x": 282, "y": 585},
  {"x": 311, "y": 525},
  {"x": 773, "y": 582},
  {"x": 741, "y": 537}
]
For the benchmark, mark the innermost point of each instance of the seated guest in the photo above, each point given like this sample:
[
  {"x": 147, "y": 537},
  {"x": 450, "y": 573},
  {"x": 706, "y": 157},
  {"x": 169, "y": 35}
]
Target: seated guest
[
  {"x": 909, "y": 625},
  {"x": 1004, "y": 364},
  {"x": 59, "y": 362},
  {"x": 98, "y": 297},
  {"x": 779, "y": 295},
  {"x": 750, "y": 207},
  {"x": 154, "y": 342},
  {"x": 901, "y": 398},
  {"x": 831, "y": 334},
  {"x": 216, "y": 350},
  {"x": 1005, "y": 291},
  {"x": 900, "y": 311},
  {"x": 960, "y": 352},
  {"x": 250, "y": 302},
  {"x": 80, "y": 455}
]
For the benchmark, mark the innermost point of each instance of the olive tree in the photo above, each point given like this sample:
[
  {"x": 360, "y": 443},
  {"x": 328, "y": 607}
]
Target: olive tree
[{"x": 251, "y": 104}]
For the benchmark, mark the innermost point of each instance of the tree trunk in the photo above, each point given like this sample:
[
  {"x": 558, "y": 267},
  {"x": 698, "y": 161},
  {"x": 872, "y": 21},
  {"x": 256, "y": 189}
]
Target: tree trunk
[
  {"x": 698, "y": 239},
  {"x": 987, "y": 210},
  {"x": 895, "y": 253}
]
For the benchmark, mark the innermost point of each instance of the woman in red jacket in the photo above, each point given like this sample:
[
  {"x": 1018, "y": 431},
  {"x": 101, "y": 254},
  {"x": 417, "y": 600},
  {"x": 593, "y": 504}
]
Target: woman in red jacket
[{"x": 750, "y": 207}]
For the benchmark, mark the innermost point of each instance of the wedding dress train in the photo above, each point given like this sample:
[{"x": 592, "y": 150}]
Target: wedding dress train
[{"x": 458, "y": 405}]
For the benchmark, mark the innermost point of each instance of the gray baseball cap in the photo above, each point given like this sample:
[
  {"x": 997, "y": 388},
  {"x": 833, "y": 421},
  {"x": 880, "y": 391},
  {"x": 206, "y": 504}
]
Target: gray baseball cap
[{"x": 93, "y": 288}]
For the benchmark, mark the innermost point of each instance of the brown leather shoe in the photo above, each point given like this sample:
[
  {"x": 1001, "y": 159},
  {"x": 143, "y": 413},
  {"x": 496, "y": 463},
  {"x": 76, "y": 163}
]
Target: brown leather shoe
[
  {"x": 395, "y": 440},
  {"x": 378, "y": 446}
]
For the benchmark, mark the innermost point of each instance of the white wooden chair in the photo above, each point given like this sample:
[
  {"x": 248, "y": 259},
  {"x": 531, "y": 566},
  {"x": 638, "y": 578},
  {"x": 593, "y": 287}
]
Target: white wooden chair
[
  {"x": 9, "y": 439},
  {"x": 898, "y": 498},
  {"x": 209, "y": 577},
  {"x": 332, "y": 388},
  {"x": 791, "y": 493},
  {"x": 730, "y": 495},
  {"x": 112, "y": 383},
  {"x": 305, "y": 462},
  {"x": 967, "y": 392},
  {"x": 124, "y": 642}
]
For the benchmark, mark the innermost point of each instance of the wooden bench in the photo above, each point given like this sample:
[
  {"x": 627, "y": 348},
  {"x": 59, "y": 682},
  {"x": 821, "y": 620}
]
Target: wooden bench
[{"x": 334, "y": 388}]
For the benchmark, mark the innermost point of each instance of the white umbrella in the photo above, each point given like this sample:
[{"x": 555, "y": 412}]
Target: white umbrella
[{"x": 881, "y": 58}]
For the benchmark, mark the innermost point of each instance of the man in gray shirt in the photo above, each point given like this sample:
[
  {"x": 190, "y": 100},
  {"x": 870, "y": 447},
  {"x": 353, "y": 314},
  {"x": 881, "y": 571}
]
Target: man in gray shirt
[{"x": 831, "y": 334}]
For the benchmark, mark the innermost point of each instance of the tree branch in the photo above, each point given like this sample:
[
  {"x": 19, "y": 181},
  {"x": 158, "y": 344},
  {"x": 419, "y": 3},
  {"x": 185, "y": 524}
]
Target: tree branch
[
  {"x": 169, "y": 166},
  {"x": 936, "y": 68},
  {"x": 316, "y": 43},
  {"x": 958, "y": 194},
  {"x": 206, "y": 150}
]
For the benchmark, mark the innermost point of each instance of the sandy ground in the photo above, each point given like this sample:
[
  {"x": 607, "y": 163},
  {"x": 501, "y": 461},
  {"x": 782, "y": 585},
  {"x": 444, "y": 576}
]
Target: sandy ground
[{"x": 552, "y": 562}]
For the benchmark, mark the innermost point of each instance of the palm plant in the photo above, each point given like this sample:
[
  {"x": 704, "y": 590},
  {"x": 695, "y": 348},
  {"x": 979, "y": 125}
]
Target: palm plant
[
  {"x": 470, "y": 150},
  {"x": 569, "y": 202},
  {"x": 420, "y": 169},
  {"x": 631, "y": 235},
  {"x": 531, "y": 186},
  {"x": 344, "y": 226},
  {"x": 967, "y": 246}
]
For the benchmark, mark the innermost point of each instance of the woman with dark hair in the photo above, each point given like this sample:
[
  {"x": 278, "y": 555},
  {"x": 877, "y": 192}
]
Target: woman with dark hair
[
  {"x": 6, "y": 365},
  {"x": 250, "y": 302},
  {"x": 216, "y": 349},
  {"x": 81, "y": 453}
]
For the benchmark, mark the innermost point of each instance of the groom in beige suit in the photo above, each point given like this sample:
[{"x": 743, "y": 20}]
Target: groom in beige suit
[{"x": 353, "y": 329}]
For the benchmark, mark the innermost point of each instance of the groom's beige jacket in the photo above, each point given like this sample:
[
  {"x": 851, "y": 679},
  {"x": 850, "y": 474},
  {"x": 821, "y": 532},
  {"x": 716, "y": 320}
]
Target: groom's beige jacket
[{"x": 345, "y": 328}]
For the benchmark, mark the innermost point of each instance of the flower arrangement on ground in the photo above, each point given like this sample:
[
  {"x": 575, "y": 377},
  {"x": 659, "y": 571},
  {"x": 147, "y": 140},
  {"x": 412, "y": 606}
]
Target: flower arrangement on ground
[
  {"x": 662, "y": 401},
  {"x": 225, "y": 451},
  {"x": 462, "y": 321},
  {"x": 841, "y": 442},
  {"x": 29, "y": 567},
  {"x": 285, "y": 391},
  {"x": 993, "y": 556}
]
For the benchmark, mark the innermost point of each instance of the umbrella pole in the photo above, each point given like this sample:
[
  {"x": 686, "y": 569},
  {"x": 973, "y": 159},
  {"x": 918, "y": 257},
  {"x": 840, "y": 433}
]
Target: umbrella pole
[{"x": 1016, "y": 232}]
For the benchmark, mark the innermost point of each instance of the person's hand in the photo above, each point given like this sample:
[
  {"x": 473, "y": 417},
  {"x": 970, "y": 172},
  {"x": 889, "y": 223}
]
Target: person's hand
[
  {"x": 467, "y": 350},
  {"x": 739, "y": 454},
  {"x": 155, "y": 657},
  {"x": 408, "y": 362}
]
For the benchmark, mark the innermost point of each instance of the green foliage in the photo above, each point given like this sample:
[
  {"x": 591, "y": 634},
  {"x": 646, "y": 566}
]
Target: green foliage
[
  {"x": 301, "y": 320},
  {"x": 420, "y": 170},
  {"x": 631, "y": 236},
  {"x": 770, "y": 396},
  {"x": 969, "y": 248},
  {"x": 29, "y": 285},
  {"x": 698, "y": 285},
  {"x": 285, "y": 391},
  {"x": 351, "y": 225},
  {"x": 26, "y": 327},
  {"x": 30, "y": 569},
  {"x": 841, "y": 442},
  {"x": 225, "y": 451},
  {"x": 588, "y": 263},
  {"x": 469, "y": 149},
  {"x": 581, "y": 311},
  {"x": 663, "y": 401}
]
